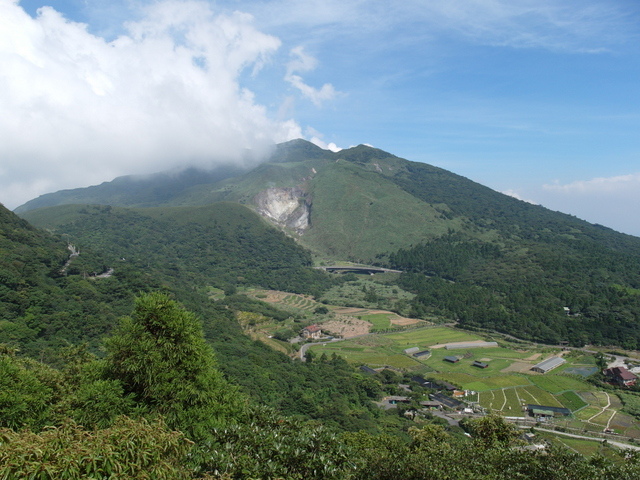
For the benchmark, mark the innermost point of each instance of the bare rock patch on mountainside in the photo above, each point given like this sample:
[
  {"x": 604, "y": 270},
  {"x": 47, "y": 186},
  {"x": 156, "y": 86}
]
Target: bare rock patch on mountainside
[{"x": 286, "y": 207}]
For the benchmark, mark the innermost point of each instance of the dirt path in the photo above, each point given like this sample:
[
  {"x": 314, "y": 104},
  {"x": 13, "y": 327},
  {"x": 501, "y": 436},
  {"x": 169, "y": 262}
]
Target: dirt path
[{"x": 601, "y": 411}]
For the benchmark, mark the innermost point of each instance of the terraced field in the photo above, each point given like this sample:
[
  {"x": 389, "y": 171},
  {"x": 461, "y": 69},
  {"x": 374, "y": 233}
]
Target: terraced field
[
  {"x": 300, "y": 302},
  {"x": 504, "y": 386}
]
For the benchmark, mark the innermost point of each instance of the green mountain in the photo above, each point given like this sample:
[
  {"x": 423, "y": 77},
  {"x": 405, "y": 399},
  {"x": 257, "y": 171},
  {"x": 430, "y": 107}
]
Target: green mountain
[
  {"x": 133, "y": 190},
  {"x": 221, "y": 245},
  {"x": 469, "y": 253},
  {"x": 50, "y": 296}
]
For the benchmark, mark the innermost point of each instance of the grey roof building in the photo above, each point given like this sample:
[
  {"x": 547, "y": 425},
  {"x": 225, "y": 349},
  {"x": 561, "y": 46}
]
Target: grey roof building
[
  {"x": 461, "y": 345},
  {"x": 548, "y": 364}
]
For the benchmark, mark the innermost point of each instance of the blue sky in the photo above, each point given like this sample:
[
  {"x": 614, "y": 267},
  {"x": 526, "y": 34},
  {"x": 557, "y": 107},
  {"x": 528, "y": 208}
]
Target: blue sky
[{"x": 539, "y": 99}]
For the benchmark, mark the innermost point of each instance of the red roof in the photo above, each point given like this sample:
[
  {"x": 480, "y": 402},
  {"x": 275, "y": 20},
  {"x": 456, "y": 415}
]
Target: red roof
[
  {"x": 312, "y": 328},
  {"x": 621, "y": 373}
]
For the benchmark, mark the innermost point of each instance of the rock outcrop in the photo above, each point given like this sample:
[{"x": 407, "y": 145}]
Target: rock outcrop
[{"x": 287, "y": 207}]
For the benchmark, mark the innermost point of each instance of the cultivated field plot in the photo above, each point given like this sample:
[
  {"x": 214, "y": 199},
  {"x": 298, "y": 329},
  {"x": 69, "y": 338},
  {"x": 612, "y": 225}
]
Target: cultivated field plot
[
  {"x": 426, "y": 337},
  {"x": 588, "y": 448},
  {"x": 301, "y": 302},
  {"x": 286, "y": 301},
  {"x": 535, "y": 395},
  {"x": 373, "y": 355},
  {"x": 505, "y": 401},
  {"x": 572, "y": 401},
  {"x": 509, "y": 401},
  {"x": 380, "y": 321},
  {"x": 559, "y": 383}
]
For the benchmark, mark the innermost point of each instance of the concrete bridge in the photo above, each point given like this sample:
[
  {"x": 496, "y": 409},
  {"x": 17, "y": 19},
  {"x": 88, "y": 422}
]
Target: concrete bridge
[{"x": 355, "y": 269}]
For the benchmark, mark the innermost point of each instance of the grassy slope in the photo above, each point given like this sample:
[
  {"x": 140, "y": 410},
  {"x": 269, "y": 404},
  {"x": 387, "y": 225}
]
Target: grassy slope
[{"x": 357, "y": 214}]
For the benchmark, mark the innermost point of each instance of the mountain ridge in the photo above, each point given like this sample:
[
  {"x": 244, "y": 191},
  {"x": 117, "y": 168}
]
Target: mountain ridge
[{"x": 469, "y": 253}]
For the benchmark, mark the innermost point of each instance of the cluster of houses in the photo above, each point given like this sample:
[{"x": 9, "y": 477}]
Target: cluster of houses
[
  {"x": 438, "y": 400},
  {"x": 476, "y": 363}
]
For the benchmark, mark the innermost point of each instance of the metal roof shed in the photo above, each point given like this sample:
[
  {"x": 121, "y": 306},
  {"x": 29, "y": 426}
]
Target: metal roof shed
[{"x": 548, "y": 364}]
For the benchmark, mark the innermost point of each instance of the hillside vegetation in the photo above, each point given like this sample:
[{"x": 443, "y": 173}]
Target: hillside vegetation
[
  {"x": 469, "y": 253},
  {"x": 127, "y": 416},
  {"x": 178, "y": 391}
]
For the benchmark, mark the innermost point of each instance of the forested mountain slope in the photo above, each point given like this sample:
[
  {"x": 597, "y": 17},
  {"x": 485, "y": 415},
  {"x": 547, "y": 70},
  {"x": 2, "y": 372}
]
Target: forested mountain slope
[
  {"x": 46, "y": 302},
  {"x": 48, "y": 314},
  {"x": 490, "y": 260},
  {"x": 223, "y": 244}
]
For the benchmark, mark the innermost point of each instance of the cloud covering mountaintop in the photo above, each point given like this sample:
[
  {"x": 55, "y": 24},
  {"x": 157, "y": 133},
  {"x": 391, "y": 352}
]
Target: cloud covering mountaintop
[
  {"x": 164, "y": 94},
  {"x": 538, "y": 98}
]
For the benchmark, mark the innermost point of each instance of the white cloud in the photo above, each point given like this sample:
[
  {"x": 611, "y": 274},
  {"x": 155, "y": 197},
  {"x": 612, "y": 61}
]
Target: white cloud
[
  {"x": 315, "y": 137},
  {"x": 514, "y": 194},
  {"x": 567, "y": 25},
  {"x": 618, "y": 185},
  {"x": 605, "y": 200},
  {"x": 78, "y": 109},
  {"x": 301, "y": 62},
  {"x": 326, "y": 146}
]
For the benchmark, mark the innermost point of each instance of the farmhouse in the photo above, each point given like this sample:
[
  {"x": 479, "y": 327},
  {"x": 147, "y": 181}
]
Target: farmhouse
[
  {"x": 422, "y": 354},
  {"x": 431, "y": 405},
  {"x": 395, "y": 399},
  {"x": 312, "y": 331},
  {"x": 447, "y": 386},
  {"x": 621, "y": 376},
  {"x": 425, "y": 383},
  {"x": 480, "y": 364},
  {"x": 451, "y": 359},
  {"x": 548, "y": 364},
  {"x": 409, "y": 351},
  {"x": 446, "y": 401},
  {"x": 368, "y": 370},
  {"x": 545, "y": 411}
]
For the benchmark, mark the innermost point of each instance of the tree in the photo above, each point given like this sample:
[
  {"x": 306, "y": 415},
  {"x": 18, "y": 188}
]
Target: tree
[
  {"x": 134, "y": 449},
  {"x": 24, "y": 396},
  {"x": 491, "y": 430},
  {"x": 160, "y": 356}
]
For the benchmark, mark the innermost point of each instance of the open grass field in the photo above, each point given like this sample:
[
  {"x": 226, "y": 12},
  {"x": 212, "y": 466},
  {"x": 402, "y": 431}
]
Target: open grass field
[
  {"x": 373, "y": 355},
  {"x": 587, "y": 448},
  {"x": 555, "y": 383},
  {"x": 380, "y": 321},
  {"x": 572, "y": 401},
  {"x": 588, "y": 412},
  {"x": 432, "y": 336}
]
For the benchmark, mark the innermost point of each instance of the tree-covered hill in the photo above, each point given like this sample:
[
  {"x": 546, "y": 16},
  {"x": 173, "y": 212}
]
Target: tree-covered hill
[
  {"x": 491, "y": 260},
  {"x": 46, "y": 302},
  {"x": 157, "y": 406},
  {"x": 568, "y": 290},
  {"x": 182, "y": 251},
  {"x": 222, "y": 245},
  {"x": 134, "y": 190}
]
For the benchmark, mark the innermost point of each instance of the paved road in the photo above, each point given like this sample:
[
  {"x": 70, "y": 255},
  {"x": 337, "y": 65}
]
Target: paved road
[
  {"x": 573, "y": 435},
  {"x": 303, "y": 348}
]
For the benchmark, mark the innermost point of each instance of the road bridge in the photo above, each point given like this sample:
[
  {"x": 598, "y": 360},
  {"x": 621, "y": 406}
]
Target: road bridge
[{"x": 357, "y": 269}]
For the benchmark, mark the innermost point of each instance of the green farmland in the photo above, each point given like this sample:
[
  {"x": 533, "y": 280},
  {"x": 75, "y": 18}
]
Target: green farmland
[{"x": 505, "y": 385}]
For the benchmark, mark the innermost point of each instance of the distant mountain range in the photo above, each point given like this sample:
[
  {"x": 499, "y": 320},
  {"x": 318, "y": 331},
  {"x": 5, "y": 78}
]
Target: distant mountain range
[{"x": 468, "y": 252}]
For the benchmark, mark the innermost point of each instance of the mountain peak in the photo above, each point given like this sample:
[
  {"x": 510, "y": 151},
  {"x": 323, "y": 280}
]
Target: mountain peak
[{"x": 294, "y": 150}]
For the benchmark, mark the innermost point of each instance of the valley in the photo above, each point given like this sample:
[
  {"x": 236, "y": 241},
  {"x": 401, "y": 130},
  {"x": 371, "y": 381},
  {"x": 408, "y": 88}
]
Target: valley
[
  {"x": 383, "y": 340},
  {"x": 407, "y": 279}
]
